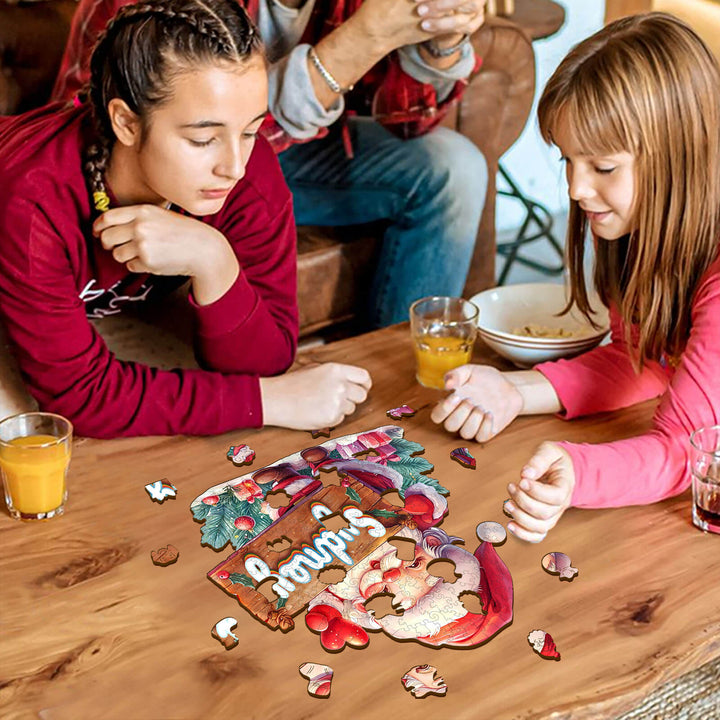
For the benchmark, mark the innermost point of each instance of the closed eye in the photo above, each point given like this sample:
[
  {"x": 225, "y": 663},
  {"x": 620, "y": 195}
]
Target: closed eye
[
  {"x": 604, "y": 171},
  {"x": 200, "y": 143}
]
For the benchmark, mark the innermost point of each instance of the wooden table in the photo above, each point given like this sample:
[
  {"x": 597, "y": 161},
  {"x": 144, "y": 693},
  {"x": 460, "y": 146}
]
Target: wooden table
[{"x": 92, "y": 629}]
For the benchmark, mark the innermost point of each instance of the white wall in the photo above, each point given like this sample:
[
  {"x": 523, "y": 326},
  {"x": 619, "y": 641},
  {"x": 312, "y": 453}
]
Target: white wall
[{"x": 534, "y": 166}]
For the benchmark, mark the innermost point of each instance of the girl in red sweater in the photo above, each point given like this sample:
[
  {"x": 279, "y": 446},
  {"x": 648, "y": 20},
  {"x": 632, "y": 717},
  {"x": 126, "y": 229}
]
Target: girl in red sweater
[{"x": 160, "y": 178}]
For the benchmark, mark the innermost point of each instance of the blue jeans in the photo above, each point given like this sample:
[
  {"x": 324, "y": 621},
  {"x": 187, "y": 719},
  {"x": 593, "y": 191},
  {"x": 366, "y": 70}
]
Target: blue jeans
[{"x": 431, "y": 190}]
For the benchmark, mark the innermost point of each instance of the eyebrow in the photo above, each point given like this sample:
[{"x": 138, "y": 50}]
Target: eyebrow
[{"x": 213, "y": 123}]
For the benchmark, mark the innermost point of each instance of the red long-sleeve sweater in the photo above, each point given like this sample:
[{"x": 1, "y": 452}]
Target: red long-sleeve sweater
[{"x": 54, "y": 273}]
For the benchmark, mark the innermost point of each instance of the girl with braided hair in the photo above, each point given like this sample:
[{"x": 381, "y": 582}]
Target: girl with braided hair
[{"x": 156, "y": 179}]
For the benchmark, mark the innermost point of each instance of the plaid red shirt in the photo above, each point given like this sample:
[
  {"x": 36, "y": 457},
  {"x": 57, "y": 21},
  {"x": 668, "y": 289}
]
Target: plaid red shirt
[{"x": 402, "y": 104}]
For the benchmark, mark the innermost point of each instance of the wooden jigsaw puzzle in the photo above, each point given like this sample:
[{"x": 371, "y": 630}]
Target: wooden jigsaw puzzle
[{"x": 335, "y": 516}]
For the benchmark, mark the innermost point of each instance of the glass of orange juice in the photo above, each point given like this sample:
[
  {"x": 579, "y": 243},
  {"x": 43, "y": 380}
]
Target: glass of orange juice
[
  {"x": 443, "y": 331},
  {"x": 35, "y": 452}
]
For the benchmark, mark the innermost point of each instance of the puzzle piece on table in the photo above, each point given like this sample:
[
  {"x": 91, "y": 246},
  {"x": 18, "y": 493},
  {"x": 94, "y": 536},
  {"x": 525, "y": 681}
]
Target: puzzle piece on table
[
  {"x": 382, "y": 605},
  {"x": 241, "y": 454},
  {"x": 165, "y": 556},
  {"x": 491, "y": 532},
  {"x": 505, "y": 510},
  {"x": 319, "y": 678},
  {"x": 423, "y": 680},
  {"x": 462, "y": 456},
  {"x": 222, "y": 631},
  {"x": 542, "y": 643},
  {"x": 433, "y": 612},
  {"x": 443, "y": 569},
  {"x": 557, "y": 563},
  {"x": 399, "y": 413},
  {"x": 323, "y": 432},
  {"x": 161, "y": 489}
]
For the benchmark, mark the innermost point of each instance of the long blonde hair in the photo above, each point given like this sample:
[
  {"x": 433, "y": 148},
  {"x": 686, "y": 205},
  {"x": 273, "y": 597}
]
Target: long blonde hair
[{"x": 649, "y": 86}]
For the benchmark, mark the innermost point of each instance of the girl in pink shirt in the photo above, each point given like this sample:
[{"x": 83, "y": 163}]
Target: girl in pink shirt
[
  {"x": 634, "y": 110},
  {"x": 157, "y": 179}
]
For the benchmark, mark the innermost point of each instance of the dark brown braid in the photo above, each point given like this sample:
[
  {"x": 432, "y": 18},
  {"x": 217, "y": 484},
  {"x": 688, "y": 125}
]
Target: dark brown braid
[{"x": 142, "y": 46}]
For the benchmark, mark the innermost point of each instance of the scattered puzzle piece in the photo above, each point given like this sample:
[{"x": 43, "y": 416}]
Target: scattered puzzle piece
[
  {"x": 399, "y": 413},
  {"x": 491, "y": 532},
  {"x": 462, "y": 455},
  {"x": 161, "y": 489},
  {"x": 559, "y": 563},
  {"x": 222, "y": 631},
  {"x": 323, "y": 432},
  {"x": 241, "y": 454},
  {"x": 505, "y": 510},
  {"x": 542, "y": 643},
  {"x": 319, "y": 677},
  {"x": 422, "y": 680},
  {"x": 165, "y": 556}
]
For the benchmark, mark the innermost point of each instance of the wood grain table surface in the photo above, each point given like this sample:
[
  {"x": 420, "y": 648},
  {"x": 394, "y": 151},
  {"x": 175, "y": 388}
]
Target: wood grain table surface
[{"x": 90, "y": 628}]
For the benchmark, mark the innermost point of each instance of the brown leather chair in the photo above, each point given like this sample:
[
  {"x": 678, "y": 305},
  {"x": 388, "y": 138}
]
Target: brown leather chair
[{"x": 334, "y": 264}]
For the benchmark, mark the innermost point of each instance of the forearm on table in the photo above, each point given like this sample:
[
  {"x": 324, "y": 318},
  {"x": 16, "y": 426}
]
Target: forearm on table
[{"x": 538, "y": 394}]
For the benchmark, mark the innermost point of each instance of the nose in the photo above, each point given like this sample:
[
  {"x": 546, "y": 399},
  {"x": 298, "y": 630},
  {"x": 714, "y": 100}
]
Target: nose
[
  {"x": 392, "y": 575},
  {"x": 580, "y": 185},
  {"x": 232, "y": 162}
]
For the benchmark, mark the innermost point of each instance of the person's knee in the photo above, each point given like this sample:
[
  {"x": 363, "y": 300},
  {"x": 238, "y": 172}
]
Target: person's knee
[{"x": 458, "y": 164}]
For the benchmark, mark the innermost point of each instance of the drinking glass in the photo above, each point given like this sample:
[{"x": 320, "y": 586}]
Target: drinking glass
[
  {"x": 35, "y": 450},
  {"x": 705, "y": 468},
  {"x": 443, "y": 331}
]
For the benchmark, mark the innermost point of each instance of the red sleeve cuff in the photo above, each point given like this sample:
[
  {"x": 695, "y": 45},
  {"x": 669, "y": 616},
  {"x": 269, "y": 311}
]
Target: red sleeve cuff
[{"x": 228, "y": 312}]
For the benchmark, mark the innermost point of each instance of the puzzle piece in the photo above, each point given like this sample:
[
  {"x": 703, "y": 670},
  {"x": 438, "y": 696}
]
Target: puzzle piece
[
  {"x": 165, "y": 556},
  {"x": 462, "y": 456},
  {"x": 423, "y": 680},
  {"x": 319, "y": 677},
  {"x": 324, "y": 432},
  {"x": 559, "y": 563},
  {"x": 542, "y": 643},
  {"x": 399, "y": 413},
  {"x": 335, "y": 631},
  {"x": 241, "y": 454},
  {"x": 161, "y": 489},
  {"x": 222, "y": 631},
  {"x": 491, "y": 532},
  {"x": 505, "y": 510}
]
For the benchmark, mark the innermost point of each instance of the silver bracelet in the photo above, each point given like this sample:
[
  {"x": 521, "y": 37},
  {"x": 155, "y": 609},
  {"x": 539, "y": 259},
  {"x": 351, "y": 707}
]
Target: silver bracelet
[{"x": 332, "y": 83}]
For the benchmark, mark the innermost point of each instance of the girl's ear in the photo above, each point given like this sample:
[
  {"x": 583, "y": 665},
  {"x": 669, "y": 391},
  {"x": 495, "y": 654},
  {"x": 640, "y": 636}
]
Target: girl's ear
[{"x": 126, "y": 124}]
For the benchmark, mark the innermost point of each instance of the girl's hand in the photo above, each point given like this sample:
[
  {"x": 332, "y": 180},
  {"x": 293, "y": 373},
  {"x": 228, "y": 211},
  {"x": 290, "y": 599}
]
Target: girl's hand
[
  {"x": 314, "y": 397},
  {"x": 483, "y": 402},
  {"x": 546, "y": 486},
  {"x": 150, "y": 239}
]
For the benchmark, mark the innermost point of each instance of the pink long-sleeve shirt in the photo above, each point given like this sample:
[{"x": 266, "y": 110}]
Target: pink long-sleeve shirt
[
  {"x": 653, "y": 466},
  {"x": 54, "y": 274}
]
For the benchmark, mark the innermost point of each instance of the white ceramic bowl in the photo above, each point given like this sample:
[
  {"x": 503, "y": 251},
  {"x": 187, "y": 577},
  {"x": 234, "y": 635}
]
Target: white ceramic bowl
[{"x": 505, "y": 309}]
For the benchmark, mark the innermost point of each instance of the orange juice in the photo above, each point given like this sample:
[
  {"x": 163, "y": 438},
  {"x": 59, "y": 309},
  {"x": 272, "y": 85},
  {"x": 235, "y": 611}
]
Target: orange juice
[
  {"x": 436, "y": 355},
  {"x": 34, "y": 476}
]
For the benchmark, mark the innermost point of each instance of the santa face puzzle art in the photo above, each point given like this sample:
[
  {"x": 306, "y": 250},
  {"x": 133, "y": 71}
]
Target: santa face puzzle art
[{"x": 429, "y": 610}]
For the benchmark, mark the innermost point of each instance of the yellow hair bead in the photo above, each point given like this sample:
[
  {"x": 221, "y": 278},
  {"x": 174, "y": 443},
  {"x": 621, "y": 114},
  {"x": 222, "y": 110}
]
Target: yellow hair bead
[{"x": 101, "y": 200}]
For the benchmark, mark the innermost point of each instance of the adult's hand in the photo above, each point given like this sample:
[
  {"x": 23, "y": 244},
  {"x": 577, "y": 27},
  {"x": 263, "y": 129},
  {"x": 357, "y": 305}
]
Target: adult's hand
[
  {"x": 449, "y": 20},
  {"x": 150, "y": 239},
  {"x": 314, "y": 397},
  {"x": 543, "y": 494},
  {"x": 482, "y": 402}
]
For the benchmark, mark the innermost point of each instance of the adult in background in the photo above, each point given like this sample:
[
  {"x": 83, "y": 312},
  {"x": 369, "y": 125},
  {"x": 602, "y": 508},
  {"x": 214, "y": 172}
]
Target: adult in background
[{"x": 368, "y": 82}]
